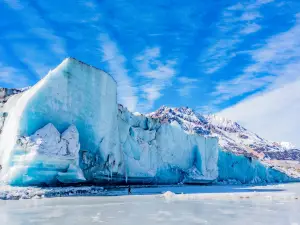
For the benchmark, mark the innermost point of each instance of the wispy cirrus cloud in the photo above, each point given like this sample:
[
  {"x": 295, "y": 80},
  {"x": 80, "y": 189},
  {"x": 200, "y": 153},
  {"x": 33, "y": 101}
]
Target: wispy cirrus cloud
[
  {"x": 186, "y": 86},
  {"x": 54, "y": 42},
  {"x": 273, "y": 114},
  {"x": 276, "y": 67},
  {"x": 46, "y": 40},
  {"x": 14, "y": 4},
  {"x": 238, "y": 86},
  {"x": 151, "y": 66},
  {"x": 280, "y": 54},
  {"x": 89, "y": 4},
  {"x": 250, "y": 28},
  {"x": 157, "y": 73},
  {"x": 117, "y": 67},
  {"x": 273, "y": 64},
  {"x": 11, "y": 76},
  {"x": 250, "y": 16},
  {"x": 34, "y": 59},
  {"x": 237, "y": 21}
]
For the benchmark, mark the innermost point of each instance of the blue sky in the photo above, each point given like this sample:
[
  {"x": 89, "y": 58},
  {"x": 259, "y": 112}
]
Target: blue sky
[{"x": 211, "y": 55}]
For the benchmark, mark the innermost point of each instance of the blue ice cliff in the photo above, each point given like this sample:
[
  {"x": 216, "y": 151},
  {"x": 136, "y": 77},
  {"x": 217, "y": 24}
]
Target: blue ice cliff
[
  {"x": 68, "y": 128},
  {"x": 244, "y": 157}
]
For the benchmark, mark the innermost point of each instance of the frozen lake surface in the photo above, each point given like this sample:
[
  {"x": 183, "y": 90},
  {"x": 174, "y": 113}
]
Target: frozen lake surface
[{"x": 274, "y": 204}]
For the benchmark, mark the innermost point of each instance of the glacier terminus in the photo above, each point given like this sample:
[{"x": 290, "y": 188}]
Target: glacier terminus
[{"x": 69, "y": 129}]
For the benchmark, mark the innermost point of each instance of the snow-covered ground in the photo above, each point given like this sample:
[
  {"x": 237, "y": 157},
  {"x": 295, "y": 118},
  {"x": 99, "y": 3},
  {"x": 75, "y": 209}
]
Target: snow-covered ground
[{"x": 272, "y": 204}]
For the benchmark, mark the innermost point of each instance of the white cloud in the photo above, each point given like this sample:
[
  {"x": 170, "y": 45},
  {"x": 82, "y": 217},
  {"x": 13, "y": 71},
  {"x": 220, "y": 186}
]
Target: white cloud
[
  {"x": 14, "y": 4},
  {"x": 158, "y": 73},
  {"x": 187, "y": 85},
  {"x": 185, "y": 91},
  {"x": 232, "y": 31},
  {"x": 238, "y": 6},
  {"x": 273, "y": 115},
  {"x": 207, "y": 109},
  {"x": 117, "y": 67},
  {"x": 150, "y": 65},
  {"x": 35, "y": 59},
  {"x": 152, "y": 92},
  {"x": 187, "y": 80},
  {"x": 249, "y": 16},
  {"x": 12, "y": 77},
  {"x": 274, "y": 64},
  {"x": 259, "y": 3},
  {"x": 56, "y": 44},
  {"x": 250, "y": 28},
  {"x": 238, "y": 86},
  {"x": 89, "y": 4},
  {"x": 33, "y": 54},
  {"x": 279, "y": 51},
  {"x": 219, "y": 55}
]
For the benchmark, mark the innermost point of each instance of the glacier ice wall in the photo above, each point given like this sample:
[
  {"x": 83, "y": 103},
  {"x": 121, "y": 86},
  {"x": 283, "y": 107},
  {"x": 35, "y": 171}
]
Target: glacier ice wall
[
  {"x": 244, "y": 157},
  {"x": 109, "y": 144},
  {"x": 68, "y": 128},
  {"x": 73, "y": 93},
  {"x": 245, "y": 170},
  {"x": 164, "y": 153},
  {"x": 46, "y": 157}
]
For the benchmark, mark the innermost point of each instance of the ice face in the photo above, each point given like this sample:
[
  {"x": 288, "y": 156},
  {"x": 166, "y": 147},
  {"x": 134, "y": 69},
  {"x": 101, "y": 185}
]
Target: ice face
[
  {"x": 245, "y": 170},
  {"x": 68, "y": 128},
  {"x": 46, "y": 157},
  {"x": 164, "y": 153},
  {"x": 73, "y": 93}
]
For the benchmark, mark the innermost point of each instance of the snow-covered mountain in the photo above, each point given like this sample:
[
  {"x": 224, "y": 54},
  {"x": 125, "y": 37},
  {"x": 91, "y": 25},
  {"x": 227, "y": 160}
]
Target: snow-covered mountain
[{"x": 6, "y": 93}]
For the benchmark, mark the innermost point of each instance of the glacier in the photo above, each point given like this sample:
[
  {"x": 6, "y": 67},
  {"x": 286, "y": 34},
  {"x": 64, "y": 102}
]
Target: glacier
[
  {"x": 72, "y": 94},
  {"x": 68, "y": 128},
  {"x": 45, "y": 157},
  {"x": 244, "y": 157},
  {"x": 246, "y": 170},
  {"x": 164, "y": 152}
]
